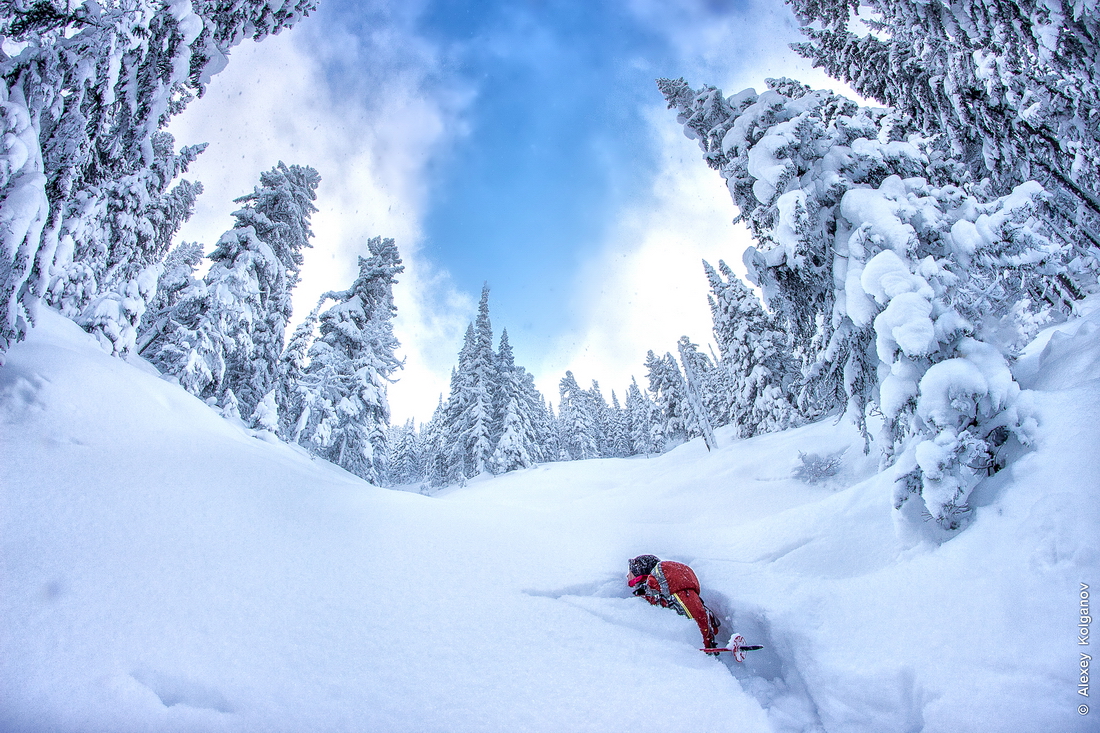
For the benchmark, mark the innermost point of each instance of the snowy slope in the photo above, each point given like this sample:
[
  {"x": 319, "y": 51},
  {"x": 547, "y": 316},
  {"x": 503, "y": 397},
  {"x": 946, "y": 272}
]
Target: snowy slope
[{"x": 164, "y": 570}]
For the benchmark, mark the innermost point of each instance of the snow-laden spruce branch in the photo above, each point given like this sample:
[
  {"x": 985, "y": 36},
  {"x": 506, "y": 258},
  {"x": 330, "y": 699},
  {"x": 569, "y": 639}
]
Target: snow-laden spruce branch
[{"x": 1011, "y": 86}]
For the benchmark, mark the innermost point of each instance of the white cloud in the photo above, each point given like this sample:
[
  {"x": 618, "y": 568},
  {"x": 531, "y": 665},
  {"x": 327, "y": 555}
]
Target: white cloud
[
  {"x": 733, "y": 45},
  {"x": 371, "y": 148},
  {"x": 646, "y": 287}
]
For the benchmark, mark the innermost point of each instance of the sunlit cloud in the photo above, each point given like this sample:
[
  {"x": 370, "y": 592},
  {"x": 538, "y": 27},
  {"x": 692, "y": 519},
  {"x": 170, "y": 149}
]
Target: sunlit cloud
[
  {"x": 733, "y": 44},
  {"x": 645, "y": 287}
]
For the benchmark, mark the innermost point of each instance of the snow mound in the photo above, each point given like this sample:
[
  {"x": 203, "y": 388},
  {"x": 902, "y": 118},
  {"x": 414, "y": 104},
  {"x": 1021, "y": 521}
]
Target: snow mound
[{"x": 162, "y": 569}]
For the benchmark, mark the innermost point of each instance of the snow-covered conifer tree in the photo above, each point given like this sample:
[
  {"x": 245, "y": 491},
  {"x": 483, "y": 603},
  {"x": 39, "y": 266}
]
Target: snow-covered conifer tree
[
  {"x": 517, "y": 445},
  {"x": 666, "y": 383},
  {"x": 645, "y": 434},
  {"x": 548, "y": 430},
  {"x": 432, "y": 454},
  {"x": 24, "y": 209},
  {"x": 292, "y": 367},
  {"x": 227, "y": 332},
  {"x": 618, "y": 429},
  {"x": 1011, "y": 86},
  {"x": 266, "y": 414},
  {"x": 177, "y": 275},
  {"x": 601, "y": 418},
  {"x": 578, "y": 421},
  {"x": 402, "y": 468},
  {"x": 494, "y": 419},
  {"x": 758, "y": 371},
  {"x": 454, "y": 458},
  {"x": 345, "y": 410},
  {"x": 270, "y": 232},
  {"x": 890, "y": 277},
  {"x": 697, "y": 367},
  {"x": 89, "y": 201},
  {"x": 474, "y": 386}
]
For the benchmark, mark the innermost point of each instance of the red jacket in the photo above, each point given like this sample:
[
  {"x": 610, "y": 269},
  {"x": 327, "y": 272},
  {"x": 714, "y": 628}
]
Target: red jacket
[
  {"x": 666, "y": 580},
  {"x": 674, "y": 585}
]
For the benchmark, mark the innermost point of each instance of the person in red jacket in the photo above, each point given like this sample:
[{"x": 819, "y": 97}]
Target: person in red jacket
[{"x": 673, "y": 585}]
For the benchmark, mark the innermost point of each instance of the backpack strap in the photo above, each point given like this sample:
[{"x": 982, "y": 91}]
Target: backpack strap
[{"x": 659, "y": 574}]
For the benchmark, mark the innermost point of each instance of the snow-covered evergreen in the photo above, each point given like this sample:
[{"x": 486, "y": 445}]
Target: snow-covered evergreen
[
  {"x": 1011, "y": 86},
  {"x": 517, "y": 416},
  {"x": 345, "y": 412},
  {"x": 697, "y": 389},
  {"x": 226, "y": 333},
  {"x": 482, "y": 377},
  {"x": 494, "y": 420},
  {"x": 273, "y": 227},
  {"x": 292, "y": 367},
  {"x": 757, "y": 374},
  {"x": 618, "y": 429},
  {"x": 905, "y": 293},
  {"x": 89, "y": 194},
  {"x": 577, "y": 416},
  {"x": 403, "y": 458},
  {"x": 676, "y": 421},
  {"x": 177, "y": 275},
  {"x": 24, "y": 209},
  {"x": 646, "y": 436}
]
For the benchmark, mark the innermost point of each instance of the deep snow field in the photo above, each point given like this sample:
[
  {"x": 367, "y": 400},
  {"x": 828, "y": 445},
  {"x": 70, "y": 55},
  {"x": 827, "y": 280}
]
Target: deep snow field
[{"x": 166, "y": 570}]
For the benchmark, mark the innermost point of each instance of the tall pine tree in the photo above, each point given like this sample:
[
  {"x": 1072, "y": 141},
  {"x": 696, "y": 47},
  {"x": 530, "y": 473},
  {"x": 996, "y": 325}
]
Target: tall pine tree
[
  {"x": 345, "y": 409},
  {"x": 226, "y": 333},
  {"x": 759, "y": 372}
]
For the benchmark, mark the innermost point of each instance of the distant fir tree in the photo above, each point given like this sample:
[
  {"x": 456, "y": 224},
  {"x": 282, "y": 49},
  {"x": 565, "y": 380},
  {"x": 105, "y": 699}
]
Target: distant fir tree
[
  {"x": 494, "y": 420},
  {"x": 469, "y": 410},
  {"x": 578, "y": 419},
  {"x": 646, "y": 434},
  {"x": 676, "y": 422},
  {"x": 517, "y": 443},
  {"x": 433, "y": 466},
  {"x": 484, "y": 385},
  {"x": 87, "y": 195},
  {"x": 618, "y": 430},
  {"x": 453, "y": 457},
  {"x": 345, "y": 409},
  {"x": 601, "y": 415},
  {"x": 759, "y": 373},
  {"x": 551, "y": 440},
  {"x": 904, "y": 293},
  {"x": 403, "y": 465},
  {"x": 698, "y": 388}
]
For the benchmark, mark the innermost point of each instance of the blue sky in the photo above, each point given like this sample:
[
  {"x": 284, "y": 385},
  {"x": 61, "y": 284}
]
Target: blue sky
[
  {"x": 556, "y": 141},
  {"x": 519, "y": 143}
]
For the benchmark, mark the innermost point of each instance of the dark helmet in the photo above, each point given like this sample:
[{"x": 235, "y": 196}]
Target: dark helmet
[{"x": 643, "y": 564}]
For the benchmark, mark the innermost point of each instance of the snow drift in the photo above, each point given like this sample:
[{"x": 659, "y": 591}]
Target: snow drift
[{"x": 166, "y": 570}]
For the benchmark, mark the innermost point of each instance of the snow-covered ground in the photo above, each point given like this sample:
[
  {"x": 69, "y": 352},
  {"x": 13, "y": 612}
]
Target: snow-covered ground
[{"x": 165, "y": 570}]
